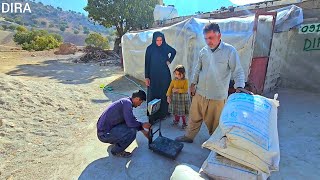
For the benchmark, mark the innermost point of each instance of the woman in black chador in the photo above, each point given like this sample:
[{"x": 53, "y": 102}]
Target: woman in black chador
[{"x": 157, "y": 72}]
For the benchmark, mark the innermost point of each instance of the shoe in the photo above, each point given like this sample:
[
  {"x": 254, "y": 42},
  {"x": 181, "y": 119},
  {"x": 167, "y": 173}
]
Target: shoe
[
  {"x": 184, "y": 139},
  {"x": 123, "y": 154},
  {"x": 184, "y": 126}
]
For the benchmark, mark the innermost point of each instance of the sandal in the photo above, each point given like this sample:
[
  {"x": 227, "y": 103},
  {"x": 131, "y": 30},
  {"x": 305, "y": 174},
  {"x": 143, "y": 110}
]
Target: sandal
[{"x": 123, "y": 154}]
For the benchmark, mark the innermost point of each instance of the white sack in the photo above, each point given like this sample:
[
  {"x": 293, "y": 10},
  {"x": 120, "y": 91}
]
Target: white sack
[
  {"x": 248, "y": 133},
  {"x": 187, "y": 172},
  {"x": 219, "y": 167}
]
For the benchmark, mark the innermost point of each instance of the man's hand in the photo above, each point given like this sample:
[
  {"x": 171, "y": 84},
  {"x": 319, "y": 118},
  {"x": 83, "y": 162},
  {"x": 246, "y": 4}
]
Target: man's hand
[
  {"x": 146, "y": 125},
  {"x": 239, "y": 90},
  {"x": 147, "y": 82},
  {"x": 146, "y": 133},
  {"x": 168, "y": 63},
  {"x": 169, "y": 99},
  {"x": 193, "y": 89}
]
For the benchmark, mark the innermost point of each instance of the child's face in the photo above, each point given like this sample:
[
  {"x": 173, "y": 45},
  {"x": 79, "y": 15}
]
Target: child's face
[{"x": 178, "y": 75}]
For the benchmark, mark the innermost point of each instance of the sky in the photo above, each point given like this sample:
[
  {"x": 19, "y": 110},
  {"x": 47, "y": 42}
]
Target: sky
[
  {"x": 189, "y": 7},
  {"x": 184, "y": 7}
]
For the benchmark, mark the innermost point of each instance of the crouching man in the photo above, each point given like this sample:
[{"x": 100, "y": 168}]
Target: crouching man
[{"x": 118, "y": 126}]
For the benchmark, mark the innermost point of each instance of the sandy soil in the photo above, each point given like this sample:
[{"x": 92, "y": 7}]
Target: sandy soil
[{"x": 49, "y": 107}]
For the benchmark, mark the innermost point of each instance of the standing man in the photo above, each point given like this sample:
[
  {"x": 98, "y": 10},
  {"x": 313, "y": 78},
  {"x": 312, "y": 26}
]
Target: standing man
[
  {"x": 217, "y": 62},
  {"x": 118, "y": 126}
]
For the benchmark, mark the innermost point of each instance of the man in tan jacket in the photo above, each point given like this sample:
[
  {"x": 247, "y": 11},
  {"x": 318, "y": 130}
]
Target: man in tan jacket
[{"x": 217, "y": 63}]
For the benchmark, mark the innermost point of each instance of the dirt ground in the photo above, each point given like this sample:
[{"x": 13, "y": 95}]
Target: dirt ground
[{"x": 49, "y": 107}]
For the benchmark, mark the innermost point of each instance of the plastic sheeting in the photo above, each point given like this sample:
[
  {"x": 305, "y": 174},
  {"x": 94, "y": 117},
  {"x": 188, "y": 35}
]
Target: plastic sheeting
[
  {"x": 161, "y": 13},
  {"x": 187, "y": 38},
  {"x": 288, "y": 17}
]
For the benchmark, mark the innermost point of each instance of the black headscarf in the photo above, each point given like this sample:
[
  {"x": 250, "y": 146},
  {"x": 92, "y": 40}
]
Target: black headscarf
[
  {"x": 155, "y": 36},
  {"x": 164, "y": 47}
]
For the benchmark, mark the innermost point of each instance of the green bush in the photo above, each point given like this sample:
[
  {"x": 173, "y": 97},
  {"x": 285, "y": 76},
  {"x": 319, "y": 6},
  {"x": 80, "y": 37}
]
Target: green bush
[
  {"x": 86, "y": 31},
  {"x": 9, "y": 19},
  {"x": 37, "y": 40},
  {"x": 42, "y": 43},
  {"x": 33, "y": 16},
  {"x": 19, "y": 22},
  {"x": 12, "y": 27},
  {"x": 62, "y": 28},
  {"x": 97, "y": 40},
  {"x": 35, "y": 22},
  {"x": 58, "y": 37},
  {"x": 43, "y": 23},
  {"x": 76, "y": 32},
  {"x": 21, "y": 29},
  {"x": 51, "y": 26},
  {"x": 4, "y": 27}
]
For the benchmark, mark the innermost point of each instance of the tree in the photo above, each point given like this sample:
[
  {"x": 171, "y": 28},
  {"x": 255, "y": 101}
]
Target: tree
[
  {"x": 5, "y": 27},
  {"x": 33, "y": 16},
  {"x": 76, "y": 32},
  {"x": 19, "y": 21},
  {"x": 9, "y": 19},
  {"x": 37, "y": 40},
  {"x": 51, "y": 25},
  {"x": 43, "y": 23},
  {"x": 62, "y": 28},
  {"x": 125, "y": 15},
  {"x": 86, "y": 31},
  {"x": 58, "y": 37},
  {"x": 35, "y": 22},
  {"x": 12, "y": 27},
  {"x": 22, "y": 29},
  {"x": 223, "y": 8},
  {"x": 97, "y": 40}
]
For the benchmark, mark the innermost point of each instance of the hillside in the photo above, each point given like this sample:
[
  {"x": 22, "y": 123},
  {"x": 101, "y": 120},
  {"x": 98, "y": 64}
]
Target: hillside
[{"x": 73, "y": 26}]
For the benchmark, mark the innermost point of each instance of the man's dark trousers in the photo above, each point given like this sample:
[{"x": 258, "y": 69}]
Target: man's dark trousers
[{"x": 121, "y": 136}]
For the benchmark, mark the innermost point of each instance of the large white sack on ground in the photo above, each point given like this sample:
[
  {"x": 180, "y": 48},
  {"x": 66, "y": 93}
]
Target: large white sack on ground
[
  {"x": 219, "y": 167},
  {"x": 248, "y": 133},
  {"x": 187, "y": 172}
]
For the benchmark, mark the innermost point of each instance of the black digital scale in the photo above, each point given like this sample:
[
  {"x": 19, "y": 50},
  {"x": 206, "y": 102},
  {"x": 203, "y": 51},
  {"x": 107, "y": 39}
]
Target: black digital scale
[{"x": 161, "y": 145}]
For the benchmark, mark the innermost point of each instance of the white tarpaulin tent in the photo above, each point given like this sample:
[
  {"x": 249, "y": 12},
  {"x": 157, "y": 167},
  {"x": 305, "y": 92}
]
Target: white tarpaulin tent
[{"x": 187, "y": 38}]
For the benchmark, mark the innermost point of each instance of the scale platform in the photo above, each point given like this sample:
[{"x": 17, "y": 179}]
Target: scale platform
[{"x": 162, "y": 145}]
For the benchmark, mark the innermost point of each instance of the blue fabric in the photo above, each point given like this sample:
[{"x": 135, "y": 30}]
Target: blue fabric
[{"x": 117, "y": 113}]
